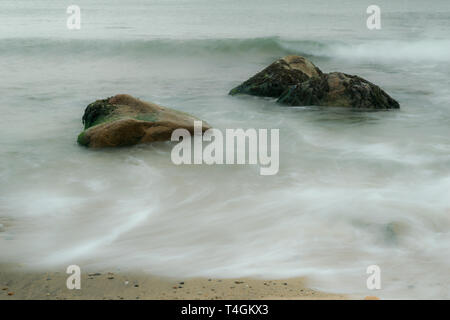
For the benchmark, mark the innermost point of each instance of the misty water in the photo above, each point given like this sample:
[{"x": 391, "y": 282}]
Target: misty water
[{"x": 354, "y": 188}]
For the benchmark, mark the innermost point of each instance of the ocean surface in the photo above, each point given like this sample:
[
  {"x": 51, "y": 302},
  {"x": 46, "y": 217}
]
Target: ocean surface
[{"x": 354, "y": 188}]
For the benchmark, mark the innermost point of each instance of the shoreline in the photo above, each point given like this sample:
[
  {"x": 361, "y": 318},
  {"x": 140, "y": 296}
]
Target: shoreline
[{"x": 106, "y": 285}]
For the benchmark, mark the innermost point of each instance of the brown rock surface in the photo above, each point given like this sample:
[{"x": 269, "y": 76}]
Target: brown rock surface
[{"x": 123, "y": 120}]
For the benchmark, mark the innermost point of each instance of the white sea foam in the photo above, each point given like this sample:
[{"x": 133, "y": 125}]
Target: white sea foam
[{"x": 430, "y": 51}]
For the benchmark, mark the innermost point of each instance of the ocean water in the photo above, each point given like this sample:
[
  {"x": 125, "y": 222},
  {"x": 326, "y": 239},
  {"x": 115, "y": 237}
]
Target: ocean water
[{"x": 354, "y": 188}]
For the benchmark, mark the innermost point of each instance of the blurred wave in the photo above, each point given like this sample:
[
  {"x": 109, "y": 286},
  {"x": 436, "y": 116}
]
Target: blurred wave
[{"x": 437, "y": 50}]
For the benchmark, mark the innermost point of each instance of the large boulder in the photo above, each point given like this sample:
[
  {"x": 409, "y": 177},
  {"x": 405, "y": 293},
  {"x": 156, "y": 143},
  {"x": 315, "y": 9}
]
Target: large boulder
[
  {"x": 276, "y": 78},
  {"x": 338, "y": 89},
  {"x": 123, "y": 120}
]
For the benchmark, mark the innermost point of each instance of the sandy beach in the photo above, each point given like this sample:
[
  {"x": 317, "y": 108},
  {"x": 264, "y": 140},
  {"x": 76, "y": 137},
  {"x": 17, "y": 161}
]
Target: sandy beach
[{"x": 18, "y": 284}]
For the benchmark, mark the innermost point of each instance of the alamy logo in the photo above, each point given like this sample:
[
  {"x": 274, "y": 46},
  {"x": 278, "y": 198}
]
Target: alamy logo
[
  {"x": 374, "y": 20},
  {"x": 74, "y": 280},
  {"x": 74, "y": 20},
  {"x": 235, "y": 145},
  {"x": 374, "y": 280}
]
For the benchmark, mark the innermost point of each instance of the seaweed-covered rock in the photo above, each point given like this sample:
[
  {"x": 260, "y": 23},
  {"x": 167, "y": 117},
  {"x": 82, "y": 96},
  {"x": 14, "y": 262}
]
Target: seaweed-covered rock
[
  {"x": 338, "y": 89},
  {"x": 276, "y": 78},
  {"x": 123, "y": 120}
]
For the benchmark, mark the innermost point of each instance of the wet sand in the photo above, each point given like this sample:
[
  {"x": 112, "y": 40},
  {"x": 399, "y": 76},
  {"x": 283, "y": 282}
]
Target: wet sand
[{"x": 20, "y": 284}]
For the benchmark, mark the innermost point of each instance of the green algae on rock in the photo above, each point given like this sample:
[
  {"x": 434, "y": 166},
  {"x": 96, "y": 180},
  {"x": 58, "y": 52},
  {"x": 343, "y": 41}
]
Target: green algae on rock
[{"x": 123, "y": 120}]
